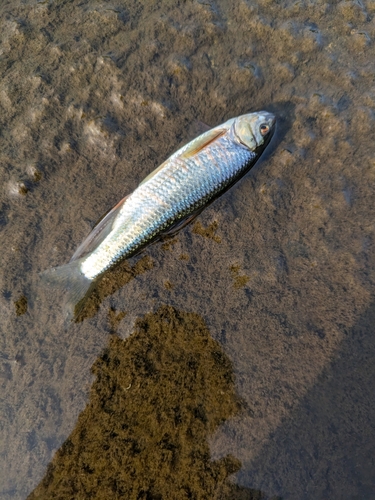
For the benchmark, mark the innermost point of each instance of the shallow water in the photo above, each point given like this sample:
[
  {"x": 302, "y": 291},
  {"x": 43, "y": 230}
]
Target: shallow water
[{"x": 270, "y": 295}]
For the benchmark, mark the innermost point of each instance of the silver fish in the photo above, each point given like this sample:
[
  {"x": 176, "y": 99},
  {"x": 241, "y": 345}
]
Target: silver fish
[{"x": 166, "y": 200}]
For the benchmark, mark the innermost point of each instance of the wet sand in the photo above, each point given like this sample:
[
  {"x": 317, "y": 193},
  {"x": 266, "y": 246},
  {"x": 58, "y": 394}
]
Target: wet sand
[{"x": 278, "y": 274}]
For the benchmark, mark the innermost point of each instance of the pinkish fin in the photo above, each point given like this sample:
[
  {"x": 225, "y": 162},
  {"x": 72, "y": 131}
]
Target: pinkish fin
[
  {"x": 192, "y": 147},
  {"x": 100, "y": 231},
  {"x": 202, "y": 142}
]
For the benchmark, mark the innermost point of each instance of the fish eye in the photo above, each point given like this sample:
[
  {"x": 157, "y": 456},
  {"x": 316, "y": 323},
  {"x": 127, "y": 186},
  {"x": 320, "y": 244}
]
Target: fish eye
[{"x": 264, "y": 129}]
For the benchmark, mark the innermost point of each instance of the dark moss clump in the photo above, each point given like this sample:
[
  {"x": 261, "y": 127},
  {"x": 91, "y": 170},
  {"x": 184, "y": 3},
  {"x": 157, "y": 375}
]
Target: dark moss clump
[
  {"x": 23, "y": 190},
  {"x": 168, "y": 285},
  {"x": 21, "y": 305},
  {"x": 169, "y": 243},
  {"x": 157, "y": 397},
  {"x": 37, "y": 176},
  {"x": 239, "y": 280},
  {"x": 207, "y": 232}
]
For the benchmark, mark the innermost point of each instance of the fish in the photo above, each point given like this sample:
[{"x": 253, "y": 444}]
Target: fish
[{"x": 165, "y": 201}]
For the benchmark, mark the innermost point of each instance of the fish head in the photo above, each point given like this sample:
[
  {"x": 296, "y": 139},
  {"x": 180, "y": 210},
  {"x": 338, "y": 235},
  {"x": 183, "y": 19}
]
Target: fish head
[{"x": 254, "y": 130}]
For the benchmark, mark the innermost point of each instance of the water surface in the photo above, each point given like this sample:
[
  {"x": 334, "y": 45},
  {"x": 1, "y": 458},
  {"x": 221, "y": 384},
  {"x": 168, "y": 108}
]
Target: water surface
[{"x": 278, "y": 273}]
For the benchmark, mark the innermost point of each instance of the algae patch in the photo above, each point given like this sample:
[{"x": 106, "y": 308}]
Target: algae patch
[
  {"x": 21, "y": 305},
  {"x": 23, "y": 190},
  {"x": 157, "y": 397},
  {"x": 239, "y": 280},
  {"x": 168, "y": 285},
  {"x": 169, "y": 244},
  {"x": 207, "y": 232}
]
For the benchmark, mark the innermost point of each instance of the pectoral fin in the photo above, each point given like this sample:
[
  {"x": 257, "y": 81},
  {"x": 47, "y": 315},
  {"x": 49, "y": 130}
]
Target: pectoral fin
[
  {"x": 192, "y": 148},
  {"x": 202, "y": 142},
  {"x": 100, "y": 231}
]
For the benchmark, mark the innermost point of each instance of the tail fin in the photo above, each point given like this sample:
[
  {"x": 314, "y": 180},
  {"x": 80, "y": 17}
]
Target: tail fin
[{"x": 73, "y": 282}]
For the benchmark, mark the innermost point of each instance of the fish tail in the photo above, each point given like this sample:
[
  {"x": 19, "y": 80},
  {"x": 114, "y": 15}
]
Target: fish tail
[{"x": 73, "y": 282}]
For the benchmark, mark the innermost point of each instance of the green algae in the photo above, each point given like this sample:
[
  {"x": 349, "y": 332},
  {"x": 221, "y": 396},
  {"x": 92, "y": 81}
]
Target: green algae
[
  {"x": 21, "y": 305},
  {"x": 157, "y": 397},
  {"x": 207, "y": 232},
  {"x": 239, "y": 280}
]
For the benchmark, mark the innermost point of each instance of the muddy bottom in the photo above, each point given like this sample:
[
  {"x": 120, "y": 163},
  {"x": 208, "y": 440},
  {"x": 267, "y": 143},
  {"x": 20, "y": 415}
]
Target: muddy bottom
[{"x": 236, "y": 360}]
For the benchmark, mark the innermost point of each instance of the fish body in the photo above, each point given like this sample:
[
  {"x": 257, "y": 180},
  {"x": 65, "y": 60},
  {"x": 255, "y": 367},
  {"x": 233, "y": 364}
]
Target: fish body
[{"x": 169, "y": 197}]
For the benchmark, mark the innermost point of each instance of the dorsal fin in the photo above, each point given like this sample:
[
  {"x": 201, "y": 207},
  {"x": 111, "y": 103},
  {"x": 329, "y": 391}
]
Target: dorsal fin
[{"x": 99, "y": 232}]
